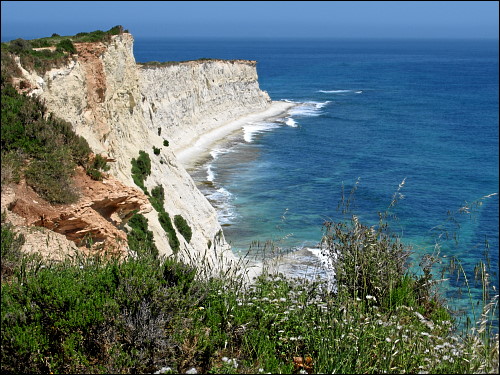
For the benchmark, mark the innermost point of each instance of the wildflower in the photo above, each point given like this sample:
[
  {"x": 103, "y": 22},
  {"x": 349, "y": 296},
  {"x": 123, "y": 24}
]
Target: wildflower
[
  {"x": 201, "y": 308},
  {"x": 368, "y": 297},
  {"x": 388, "y": 339}
]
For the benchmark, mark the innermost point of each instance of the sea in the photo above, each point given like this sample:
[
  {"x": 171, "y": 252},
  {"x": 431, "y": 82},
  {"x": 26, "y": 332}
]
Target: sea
[{"x": 413, "y": 122}]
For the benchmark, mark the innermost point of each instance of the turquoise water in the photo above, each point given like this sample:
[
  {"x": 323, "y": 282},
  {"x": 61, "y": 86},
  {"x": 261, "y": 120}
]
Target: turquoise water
[{"x": 372, "y": 113}]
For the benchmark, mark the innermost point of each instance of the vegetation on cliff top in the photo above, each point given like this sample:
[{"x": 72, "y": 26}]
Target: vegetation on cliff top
[
  {"x": 51, "y": 52},
  {"x": 158, "y": 64}
]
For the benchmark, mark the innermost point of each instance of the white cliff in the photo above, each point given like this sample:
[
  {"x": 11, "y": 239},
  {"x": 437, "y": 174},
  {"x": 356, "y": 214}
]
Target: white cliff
[{"x": 119, "y": 107}]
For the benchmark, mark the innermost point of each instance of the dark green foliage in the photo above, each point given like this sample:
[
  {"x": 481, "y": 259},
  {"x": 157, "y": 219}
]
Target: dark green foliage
[
  {"x": 95, "y": 316},
  {"x": 140, "y": 239},
  {"x": 66, "y": 45},
  {"x": 167, "y": 226},
  {"x": 183, "y": 227},
  {"x": 165, "y": 143},
  {"x": 141, "y": 168},
  {"x": 116, "y": 30},
  {"x": 156, "y": 150},
  {"x": 98, "y": 164},
  {"x": 48, "y": 142},
  {"x": 19, "y": 46},
  {"x": 178, "y": 274},
  {"x": 11, "y": 248},
  {"x": 157, "y": 198},
  {"x": 370, "y": 261},
  {"x": 50, "y": 176}
]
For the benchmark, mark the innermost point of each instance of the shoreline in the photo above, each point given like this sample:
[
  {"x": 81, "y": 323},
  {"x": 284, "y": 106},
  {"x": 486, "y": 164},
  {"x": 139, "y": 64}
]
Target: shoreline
[{"x": 188, "y": 156}]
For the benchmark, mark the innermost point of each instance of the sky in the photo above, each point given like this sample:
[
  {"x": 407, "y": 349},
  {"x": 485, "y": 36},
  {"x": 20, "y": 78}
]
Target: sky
[{"x": 254, "y": 19}]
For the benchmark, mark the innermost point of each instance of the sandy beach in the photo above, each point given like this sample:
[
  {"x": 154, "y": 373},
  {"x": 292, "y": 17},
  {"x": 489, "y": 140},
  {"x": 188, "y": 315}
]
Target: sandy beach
[{"x": 201, "y": 146}]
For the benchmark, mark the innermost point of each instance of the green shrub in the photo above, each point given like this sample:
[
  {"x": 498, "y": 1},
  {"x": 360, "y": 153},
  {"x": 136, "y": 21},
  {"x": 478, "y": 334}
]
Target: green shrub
[
  {"x": 165, "y": 143},
  {"x": 141, "y": 168},
  {"x": 50, "y": 176},
  {"x": 11, "y": 248},
  {"x": 369, "y": 262},
  {"x": 49, "y": 143},
  {"x": 19, "y": 46},
  {"x": 183, "y": 227},
  {"x": 98, "y": 164},
  {"x": 156, "y": 150},
  {"x": 167, "y": 226},
  {"x": 157, "y": 198},
  {"x": 140, "y": 238},
  {"x": 66, "y": 45}
]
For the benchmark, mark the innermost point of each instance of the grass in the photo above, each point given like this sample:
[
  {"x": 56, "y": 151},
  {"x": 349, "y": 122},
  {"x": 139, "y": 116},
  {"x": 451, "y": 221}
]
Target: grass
[{"x": 149, "y": 313}]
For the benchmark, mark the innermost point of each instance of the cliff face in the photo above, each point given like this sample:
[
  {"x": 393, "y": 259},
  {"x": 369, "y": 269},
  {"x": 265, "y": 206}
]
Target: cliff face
[
  {"x": 121, "y": 108},
  {"x": 201, "y": 95}
]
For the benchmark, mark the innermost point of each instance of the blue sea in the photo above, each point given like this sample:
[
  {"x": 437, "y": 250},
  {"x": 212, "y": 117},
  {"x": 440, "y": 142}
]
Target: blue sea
[{"x": 416, "y": 118}]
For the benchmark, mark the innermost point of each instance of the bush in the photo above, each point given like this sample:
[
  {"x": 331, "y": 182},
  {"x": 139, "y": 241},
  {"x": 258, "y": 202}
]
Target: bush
[
  {"x": 11, "y": 248},
  {"x": 165, "y": 143},
  {"x": 157, "y": 198},
  {"x": 183, "y": 227},
  {"x": 140, "y": 239},
  {"x": 50, "y": 176},
  {"x": 368, "y": 262},
  {"x": 167, "y": 226},
  {"x": 156, "y": 151},
  {"x": 49, "y": 143},
  {"x": 66, "y": 45},
  {"x": 141, "y": 168},
  {"x": 98, "y": 164},
  {"x": 19, "y": 46}
]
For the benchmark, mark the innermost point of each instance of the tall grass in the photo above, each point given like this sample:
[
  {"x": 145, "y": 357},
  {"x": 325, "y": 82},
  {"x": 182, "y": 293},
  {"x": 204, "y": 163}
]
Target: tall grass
[{"x": 155, "y": 314}]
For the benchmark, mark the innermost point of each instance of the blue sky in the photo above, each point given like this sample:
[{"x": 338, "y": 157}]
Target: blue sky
[{"x": 246, "y": 19}]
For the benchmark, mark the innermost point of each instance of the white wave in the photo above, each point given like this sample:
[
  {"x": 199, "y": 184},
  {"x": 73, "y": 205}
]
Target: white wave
[
  {"x": 291, "y": 122},
  {"x": 334, "y": 91},
  {"x": 308, "y": 109},
  {"x": 210, "y": 173},
  {"x": 222, "y": 199},
  {"x": 327, "y": 263},
  {"x": 358, "y": 92},
  {"x": 325, "y": 260},
  {"x": 216, "y": 152},
  {"x": 257, "y": 127},
  {"x": 321, "y": 104}
]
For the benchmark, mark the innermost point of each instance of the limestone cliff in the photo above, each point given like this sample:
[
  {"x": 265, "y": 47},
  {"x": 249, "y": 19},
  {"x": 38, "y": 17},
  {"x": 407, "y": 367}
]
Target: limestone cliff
[
  {"x": 121, "y": 107},
  {"x": 201, "y": 95}
]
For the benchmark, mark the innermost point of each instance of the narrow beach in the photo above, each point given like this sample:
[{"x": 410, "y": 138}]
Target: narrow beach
[{"x": 201, "y": 146}]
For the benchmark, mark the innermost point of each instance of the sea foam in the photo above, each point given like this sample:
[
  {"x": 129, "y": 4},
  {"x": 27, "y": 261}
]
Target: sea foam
[{"x": 250, "y": 130}]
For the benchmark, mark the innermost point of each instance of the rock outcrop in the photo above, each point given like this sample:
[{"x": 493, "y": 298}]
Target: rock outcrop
[
  {"x": 121, "y": 107},
  {"x": 94, "y": 222}
]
